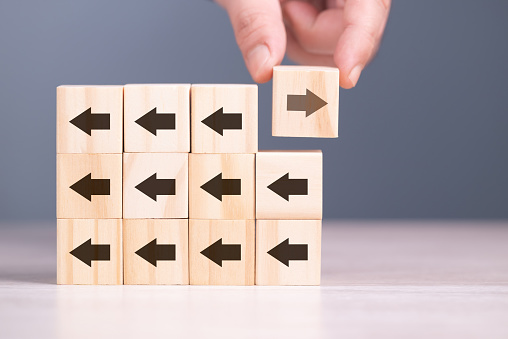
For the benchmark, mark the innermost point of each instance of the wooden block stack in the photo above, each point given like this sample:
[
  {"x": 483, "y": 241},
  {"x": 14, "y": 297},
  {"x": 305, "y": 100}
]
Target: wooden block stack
[{"x": 135, "y": 207}]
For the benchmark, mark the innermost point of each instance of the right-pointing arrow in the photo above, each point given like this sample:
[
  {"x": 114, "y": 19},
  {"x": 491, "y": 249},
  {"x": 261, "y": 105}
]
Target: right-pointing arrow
[
  {"x": 217, "y": 252},
  {"x": 284, "y": 252},
  {"x": 309, "y": 102},
  {"x": 152, "y": 252},
  {"x": 285, "y": 187},
  {"x": 219, "y": 187},
  {"x": 86, "y": 187},
  {"x": 153, "y": 187}
]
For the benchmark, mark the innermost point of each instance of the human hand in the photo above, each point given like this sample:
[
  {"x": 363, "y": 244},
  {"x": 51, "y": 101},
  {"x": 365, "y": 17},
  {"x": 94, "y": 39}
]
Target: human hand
[{"x": 340, "y": 33}]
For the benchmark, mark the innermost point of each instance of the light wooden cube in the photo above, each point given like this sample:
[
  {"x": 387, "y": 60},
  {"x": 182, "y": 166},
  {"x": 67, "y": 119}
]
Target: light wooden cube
[
  {"x": 289, "y": 185},
  {"x": 157, "y": 118},
  {"x": 156, "y": 251},
  {"x": 89, "y": 251},
  {"x": 89, "y": 119},
  {"x": 155, "y": 185},
  {"x": 305, "y": 101},
  {"x": 221, "y": 252},
  {"x": 288, "y": 252},
  {"x": 224, "y": 118},
  {"x": 89, "y": 186},
  {"x": 221, "y": 186}
]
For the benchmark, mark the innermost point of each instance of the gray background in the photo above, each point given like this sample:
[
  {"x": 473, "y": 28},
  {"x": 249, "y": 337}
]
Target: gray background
[{"x": 423, "y": 135}]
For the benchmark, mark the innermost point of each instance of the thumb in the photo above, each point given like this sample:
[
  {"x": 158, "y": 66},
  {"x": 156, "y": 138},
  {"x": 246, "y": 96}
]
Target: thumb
[{"x": 260, "y": 34}]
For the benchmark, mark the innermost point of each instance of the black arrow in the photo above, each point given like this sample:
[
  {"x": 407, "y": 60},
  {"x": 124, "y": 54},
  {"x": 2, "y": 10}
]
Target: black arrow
[
  {"x": 86, "y": 187},
  {"x": 153, "y": 187},
  {"x": 284, "y": 252},
  {"x": 218, "y": 121},
  {"x": 217, "y": 252},
  {"x": 87, "y": 121},
  {"x": 152, "y": 121},
  {"x": 219, "y": 187},
  {"x": 286, "y": 187},
  {"x": 152, "y": 252},
  {"x": 86, "y": 252},
  {"x": 309, "y": 102}
]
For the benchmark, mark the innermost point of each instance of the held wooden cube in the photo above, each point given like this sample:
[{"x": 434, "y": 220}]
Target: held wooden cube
[
  {"x": 289, "y": 185},
  {"x": 89, "y": 186},
  {"x": 156, "y": 251},
  {"x": 89, "y": 119},
  {"x": 224, "y": 118},
  {"x": 221, "y": 186},
  {"x": 288, "y": 252},
  {"x": 305, "y": 102},
  {"x": 221, "y": 252},
  {"x": 157, "y": 118},
  {"x": 155, "y": 185},
  {"x": 89, "y": 251}
]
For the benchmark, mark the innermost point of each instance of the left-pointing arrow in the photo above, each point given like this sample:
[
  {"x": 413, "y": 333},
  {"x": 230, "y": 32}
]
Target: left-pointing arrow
[
  {"x": 87, "y": 121},
  {"x": 284, "y": 252},
  {"x": 153, "y": 121},
  {"x": 153, "y": 187},
  {"x": 217, "y": 252},
  {"x": 219, "y": 121},
  {"x": 152, "y": 252},
  {"x": 86, "y": 187},
  {"x": 86, "y": 252},
  {"x": 219, "y": 187}
]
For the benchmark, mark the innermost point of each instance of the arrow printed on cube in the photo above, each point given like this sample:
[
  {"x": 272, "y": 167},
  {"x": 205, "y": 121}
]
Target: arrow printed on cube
[
  {"x": 219, "y": 187},
  {"x": 308, "y": 102},
  {"x": 284, "y": 252},
  {"x": 220, "y": 121},
  {"x": 152, "y": 187},
  {"x": 153, "y": 252},
  {"x": 153, "y": 121},
  {"x": 87, "y": 121},
  {"x": 218, "y": 252},
  {"x": 86, "y": 252},
  {"x": 86, "y": 187},
  {"x": 285, "y": 187}
]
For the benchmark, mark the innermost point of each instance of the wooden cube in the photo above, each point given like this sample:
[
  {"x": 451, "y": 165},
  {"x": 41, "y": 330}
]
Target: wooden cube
[
  {"x": 289, "y": 185},
  {"x": 157, "y": 118},
  {"x": 156, "y": 251},
  {"x": 305, "y": 102},
  {"x": 224, "y": 118},
  {"x": 221, "y": 252},
  {"x": 155, "y": 185},
  {"x": 89, "y": 251},
  {"x": 288, "y": 252},
  {"x": 221, "y": 186},
  {"x": 89, "y": 119},
  {"x": 89, "y": 186}
]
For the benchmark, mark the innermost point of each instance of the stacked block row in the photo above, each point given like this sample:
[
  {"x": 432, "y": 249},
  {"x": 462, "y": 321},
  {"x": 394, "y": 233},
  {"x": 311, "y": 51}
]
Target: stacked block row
[{"x": 135, "y": 207}]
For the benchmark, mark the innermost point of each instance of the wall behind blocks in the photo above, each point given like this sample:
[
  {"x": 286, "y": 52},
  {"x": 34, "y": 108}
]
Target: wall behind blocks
[{"x": 424, "y": 135}]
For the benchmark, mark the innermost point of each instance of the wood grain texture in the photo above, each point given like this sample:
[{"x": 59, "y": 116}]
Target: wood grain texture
[
  {"x": 71, "y": 101},
  {"x": 270, "y": 233},
  {"x": 203, "y": 233},
  {"x": 138, "y": 167},
  {"x": 139, "y": 232},
  {"x": 271, "y": 166},
  {"x": 166, "y": 98},
  {"x": 71, "y": 233},
  {"x": 207, "y": 99},
  {"x": 203, "y": 168},
  {"x": 71, "y": 168},
  {"x": 295, "y": 80}
]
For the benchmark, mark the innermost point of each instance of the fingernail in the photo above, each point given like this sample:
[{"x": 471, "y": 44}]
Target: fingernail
[
  {"x": 354, "y": 75},
  {"x": 257, "y": 57}
]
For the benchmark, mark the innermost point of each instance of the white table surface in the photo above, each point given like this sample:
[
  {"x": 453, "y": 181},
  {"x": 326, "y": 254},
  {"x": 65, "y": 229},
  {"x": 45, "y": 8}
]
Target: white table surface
[{"x": 401, "y": 279}]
